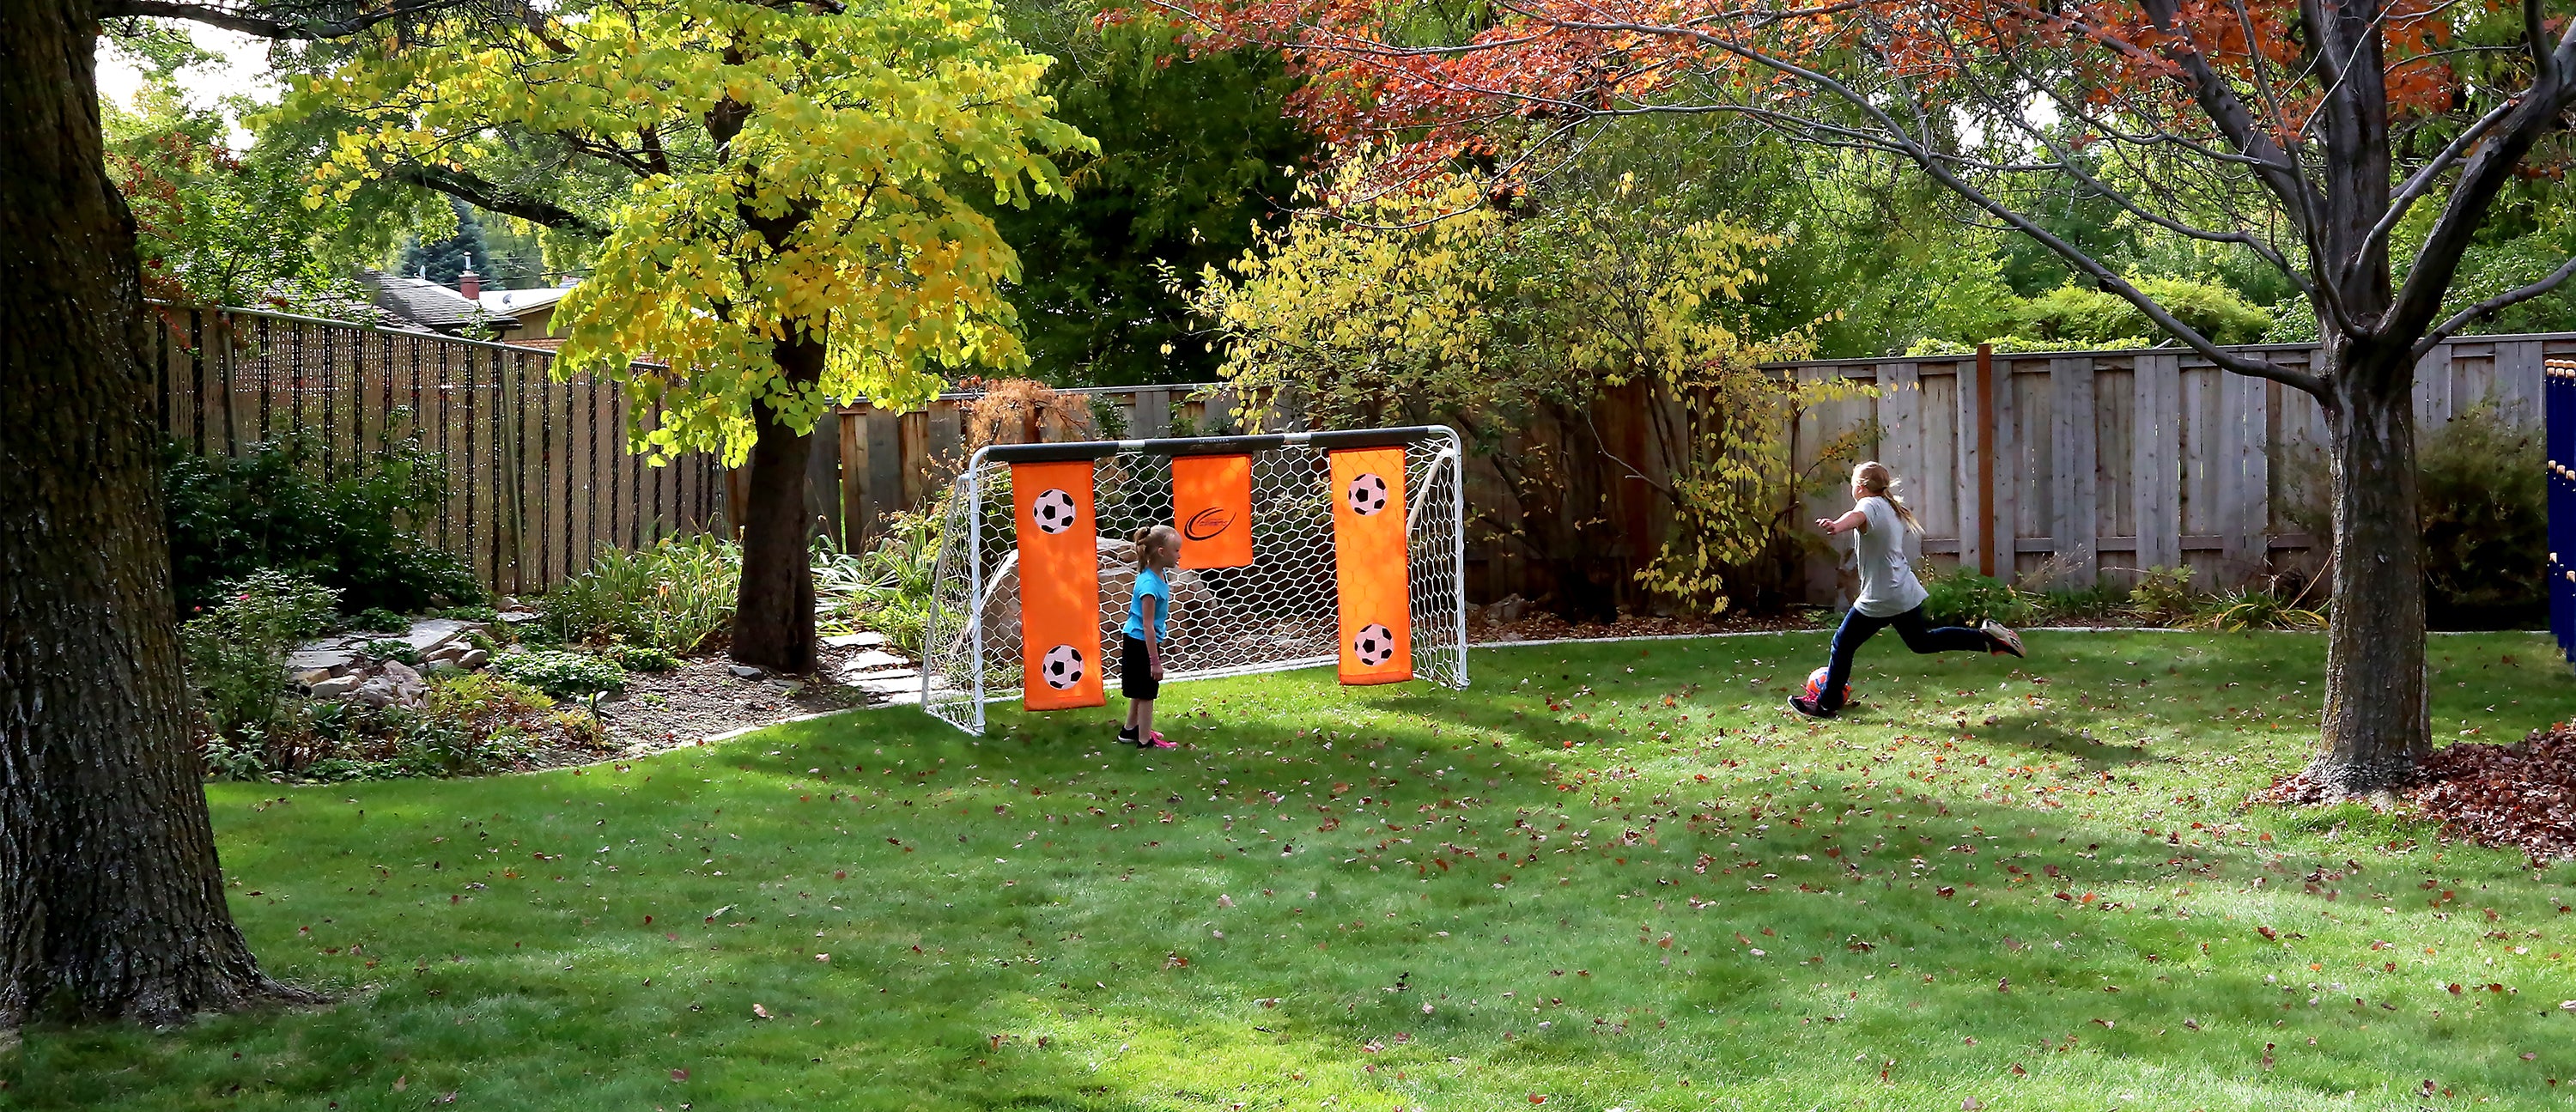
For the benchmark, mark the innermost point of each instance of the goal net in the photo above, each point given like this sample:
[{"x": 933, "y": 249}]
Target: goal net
[{"x": 1279, "y": 611}]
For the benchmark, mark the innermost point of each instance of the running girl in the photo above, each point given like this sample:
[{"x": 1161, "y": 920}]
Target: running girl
[
  {"x": 1889, "y": 593},
  {"x": 1140, "y": 662}
]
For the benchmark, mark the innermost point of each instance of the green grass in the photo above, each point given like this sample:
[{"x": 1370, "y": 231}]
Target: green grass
[{"x": 1608, "y": 876}]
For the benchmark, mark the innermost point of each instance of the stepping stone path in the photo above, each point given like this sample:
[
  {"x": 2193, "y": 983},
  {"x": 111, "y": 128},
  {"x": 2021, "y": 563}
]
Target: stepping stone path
[{"x": 338, "y": 667}]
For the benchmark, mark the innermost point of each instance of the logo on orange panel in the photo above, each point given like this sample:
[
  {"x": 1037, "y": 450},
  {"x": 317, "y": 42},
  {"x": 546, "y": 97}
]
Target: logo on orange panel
[{"x": 1207, "y": 524}]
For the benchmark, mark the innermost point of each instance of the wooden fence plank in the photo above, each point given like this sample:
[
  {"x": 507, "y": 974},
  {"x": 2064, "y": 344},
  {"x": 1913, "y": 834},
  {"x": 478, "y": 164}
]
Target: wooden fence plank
[
  {"x": 2155, "y": 484},
  {"x": 858, "y": 526},
  {"x": 1900, "y": 419},
  {"x": 885, "y": 465},
  {"x": 2078, "y": 433},
  {"x": 1974, "y": 455},
  {"x": 823, "y": 477},
  {"x": 2433, "y": 388}
]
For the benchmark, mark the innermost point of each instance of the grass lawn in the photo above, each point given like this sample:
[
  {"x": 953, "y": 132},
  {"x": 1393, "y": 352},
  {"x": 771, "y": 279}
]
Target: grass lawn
[{"x": 1607, "y": 876}]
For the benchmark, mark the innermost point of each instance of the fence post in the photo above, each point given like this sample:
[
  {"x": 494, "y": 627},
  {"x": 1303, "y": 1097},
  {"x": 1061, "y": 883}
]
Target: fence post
[{"x": 1986, "y": 459}]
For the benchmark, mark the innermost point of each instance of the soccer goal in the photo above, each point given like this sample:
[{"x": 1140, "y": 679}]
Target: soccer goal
[{"x": 1298, "y": 550}]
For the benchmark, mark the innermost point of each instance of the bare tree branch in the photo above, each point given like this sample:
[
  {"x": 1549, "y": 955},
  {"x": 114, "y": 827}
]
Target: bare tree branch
[
  {"x": 2491, "y": 306},
  {"x": 276, "y": 21},
  {"x": 495, "y": 197}
]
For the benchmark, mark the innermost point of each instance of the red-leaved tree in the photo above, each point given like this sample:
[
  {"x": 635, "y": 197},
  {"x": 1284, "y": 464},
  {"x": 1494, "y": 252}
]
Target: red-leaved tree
[{"x": 2358, "y": 148}]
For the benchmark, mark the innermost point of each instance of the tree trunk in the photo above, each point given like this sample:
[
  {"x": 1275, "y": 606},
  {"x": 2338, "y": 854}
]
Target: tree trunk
[
  {"x": 111, "y": 899},
  {"x": 2376, "y": 725},
  {"x": 773, "y": 618}
]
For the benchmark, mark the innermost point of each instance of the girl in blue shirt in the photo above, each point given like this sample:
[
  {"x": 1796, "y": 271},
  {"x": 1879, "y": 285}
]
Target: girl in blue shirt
[{"x": 1140, "y": 670}]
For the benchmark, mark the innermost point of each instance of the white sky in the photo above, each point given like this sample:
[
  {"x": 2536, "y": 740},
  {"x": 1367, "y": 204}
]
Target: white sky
[{"x": 241, "y": 68}]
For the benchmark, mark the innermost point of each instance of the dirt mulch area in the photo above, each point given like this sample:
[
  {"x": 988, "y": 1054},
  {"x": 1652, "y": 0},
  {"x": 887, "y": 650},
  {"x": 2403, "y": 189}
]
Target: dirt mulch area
[{"x": 703, "y": 697}]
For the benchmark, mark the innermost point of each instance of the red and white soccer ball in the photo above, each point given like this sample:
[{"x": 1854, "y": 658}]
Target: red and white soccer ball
[
  {"x": 1053, "y": 511},
  {"x": 1816, "y": 686},
  {"x": 1367, "y": 495},
  {"x": 1375, "y": 645},
  {"x": 1062, "y": 667}
]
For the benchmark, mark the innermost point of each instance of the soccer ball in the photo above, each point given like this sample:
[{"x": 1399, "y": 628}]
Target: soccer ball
[
  {"x": 1367, "y": 495},
  {"x": 1816, "y": 686},
  {"x": 1054, "y": 511},
  {"x": 1375, "y": 645},
  {"x": 1062, "y": 667}
]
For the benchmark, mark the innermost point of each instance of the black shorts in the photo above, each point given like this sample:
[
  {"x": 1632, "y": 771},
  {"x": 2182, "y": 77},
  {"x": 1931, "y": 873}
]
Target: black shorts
[{"x": 1136, "y": 671}]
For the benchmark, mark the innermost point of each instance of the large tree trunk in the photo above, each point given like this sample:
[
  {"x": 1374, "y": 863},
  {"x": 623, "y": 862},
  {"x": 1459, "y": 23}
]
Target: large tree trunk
[
  {"x": 2376, "y": 724},
  {"x": 773, "y": 618},
  {"x": 111, "y": 900}
]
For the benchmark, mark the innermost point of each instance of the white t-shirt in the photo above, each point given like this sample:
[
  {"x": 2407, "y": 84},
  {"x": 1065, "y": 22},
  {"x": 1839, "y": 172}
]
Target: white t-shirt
[{"x": 1887, "y": 584}]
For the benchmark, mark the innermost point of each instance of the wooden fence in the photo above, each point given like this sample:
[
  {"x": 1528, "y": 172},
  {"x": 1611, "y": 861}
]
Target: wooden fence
[
  {"x": 539, "y": 479},
  {"x": 2072, "y": 465},
  {"x": 2057, "y": 466}
]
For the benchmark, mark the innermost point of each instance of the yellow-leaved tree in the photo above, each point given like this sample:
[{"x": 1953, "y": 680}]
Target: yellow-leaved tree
[
  {"x": 1587, "y": 340},
  {"x": 789, "y": 198}
]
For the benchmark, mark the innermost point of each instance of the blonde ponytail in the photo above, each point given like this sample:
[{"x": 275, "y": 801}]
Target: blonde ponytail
[
  {"x": 1151, "y": 539},
  {"x": 1876, "y": 481}
]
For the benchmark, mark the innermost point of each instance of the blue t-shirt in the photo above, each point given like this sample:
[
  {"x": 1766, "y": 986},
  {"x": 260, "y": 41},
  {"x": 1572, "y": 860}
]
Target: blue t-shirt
[{"x": 1149, "y": 583}]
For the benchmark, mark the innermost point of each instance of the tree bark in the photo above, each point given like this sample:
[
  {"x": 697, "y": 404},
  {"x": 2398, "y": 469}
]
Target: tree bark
[
  {"x": 2375, "y": 724},
  {"x": 773, "y": 618},
  {"x": 111, "y": 898}
]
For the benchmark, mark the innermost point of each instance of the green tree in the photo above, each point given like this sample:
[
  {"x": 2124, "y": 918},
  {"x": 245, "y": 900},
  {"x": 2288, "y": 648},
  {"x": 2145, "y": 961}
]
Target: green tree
[
  {"x": 801, "y": 223},
  {"x": 1197, "y": 152}
]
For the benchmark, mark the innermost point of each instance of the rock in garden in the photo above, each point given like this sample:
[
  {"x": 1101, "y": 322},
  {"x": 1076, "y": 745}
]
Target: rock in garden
[
  {"x": 873, "y": 660},
  {"x": 377, "y": 692},
  {"x": 745, "y": 671},
  {"x": 854, "y": 640},
  {"x": 334, "y": 687},
  {"x": 473, "y": 658}
]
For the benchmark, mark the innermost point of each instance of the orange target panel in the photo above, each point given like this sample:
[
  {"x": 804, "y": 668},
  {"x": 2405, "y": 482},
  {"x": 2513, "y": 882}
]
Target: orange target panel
[
  {"x": 1369, "y": 565},
  {"x": 1059, "y": 576},
  {"x": 1212, "y": 508}
]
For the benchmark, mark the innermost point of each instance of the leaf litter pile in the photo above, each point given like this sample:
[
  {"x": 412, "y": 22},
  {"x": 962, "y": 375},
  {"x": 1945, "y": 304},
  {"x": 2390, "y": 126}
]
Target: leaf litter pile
[{"x": 2521, "y": 795}]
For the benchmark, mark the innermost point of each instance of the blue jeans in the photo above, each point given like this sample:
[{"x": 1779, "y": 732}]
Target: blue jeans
[{"x": 1919, "y": 636}]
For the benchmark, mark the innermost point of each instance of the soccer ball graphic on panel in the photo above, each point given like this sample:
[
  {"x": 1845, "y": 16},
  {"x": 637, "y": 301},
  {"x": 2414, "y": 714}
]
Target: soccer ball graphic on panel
[
  {"x": 1062, "y": 667},
  {"x": 1368, "y": 494},
  {"x": 1054, "y": 511},
  {"x": 1375, "y": 645}
]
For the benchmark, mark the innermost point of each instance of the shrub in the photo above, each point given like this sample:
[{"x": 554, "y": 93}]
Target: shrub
[
  {"x": 392, "y": 649},
  {"x": 353, "y": 527},
  {"x": 2100, "y": 602},
  {"x": 2163, "y": 596},
  {"x": 564, "y": 675},
  {"x": 888, "y": 588},
  {"x": 673, "y": 595},
  {"x": 2483, "y": 496},
  {"x": 1964, "y": 597},
  {"x": 641, "y": 658},
  {"x": 2482, "y": 504},
  {"x": 472, "y": 723},
  {"x": 377, "y": 619},
  {"x": 2254, "y": 608},
  {"x": 236, "y": 652}
]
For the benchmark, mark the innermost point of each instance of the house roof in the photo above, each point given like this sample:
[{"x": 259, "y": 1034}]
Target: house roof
[
  {"x": 522, "y": 301},
  {"x": 433, "y": 306}
]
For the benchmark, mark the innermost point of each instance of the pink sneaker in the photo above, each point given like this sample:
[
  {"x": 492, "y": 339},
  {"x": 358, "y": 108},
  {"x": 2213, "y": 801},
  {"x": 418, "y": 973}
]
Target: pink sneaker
[{"x": 1155, "y": 741}]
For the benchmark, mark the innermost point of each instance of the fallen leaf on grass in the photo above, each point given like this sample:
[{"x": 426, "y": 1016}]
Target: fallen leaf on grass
[{"x": 760, "y": 1011}]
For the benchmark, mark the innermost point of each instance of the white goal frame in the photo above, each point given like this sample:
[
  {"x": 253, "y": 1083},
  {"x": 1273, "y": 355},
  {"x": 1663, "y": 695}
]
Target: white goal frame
[{"x": 1277, "y": 614}]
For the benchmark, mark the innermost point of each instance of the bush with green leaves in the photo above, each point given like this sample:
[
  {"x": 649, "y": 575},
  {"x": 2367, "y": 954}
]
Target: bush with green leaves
[
  {"x": 2254, "y": 607},
  {"x": 473, "y": 723},
  {"x": 1964, "y": 597},
  {"x": 353, "y": 526},
  {"x": 377, "y": 619},
  {"x": 391, "y": 648},
  {"x": 2163, "y": 596},
  {"x": 560, "y": 673},
  {"x": 2103, "y": 601},
  {"x": 887, "y": 588},
  {"x": 672, "y": 595},
  {"x": 641, "y": 658},
  {"x": 236, "y": 649},
  {"x": 2481, "y": 501}
]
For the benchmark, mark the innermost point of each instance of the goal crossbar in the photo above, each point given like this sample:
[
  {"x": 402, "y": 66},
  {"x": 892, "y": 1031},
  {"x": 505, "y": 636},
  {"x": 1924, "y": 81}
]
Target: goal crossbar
[{"x": 1276, "y": 614}]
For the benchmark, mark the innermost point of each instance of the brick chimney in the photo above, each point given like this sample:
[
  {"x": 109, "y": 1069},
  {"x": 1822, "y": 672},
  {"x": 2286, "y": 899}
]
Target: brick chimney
[{"x": 470, "y": 284}]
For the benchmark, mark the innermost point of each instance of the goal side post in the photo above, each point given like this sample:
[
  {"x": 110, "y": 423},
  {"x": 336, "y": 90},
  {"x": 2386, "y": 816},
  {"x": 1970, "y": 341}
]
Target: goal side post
[{"x": 1276, "y": 613}]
